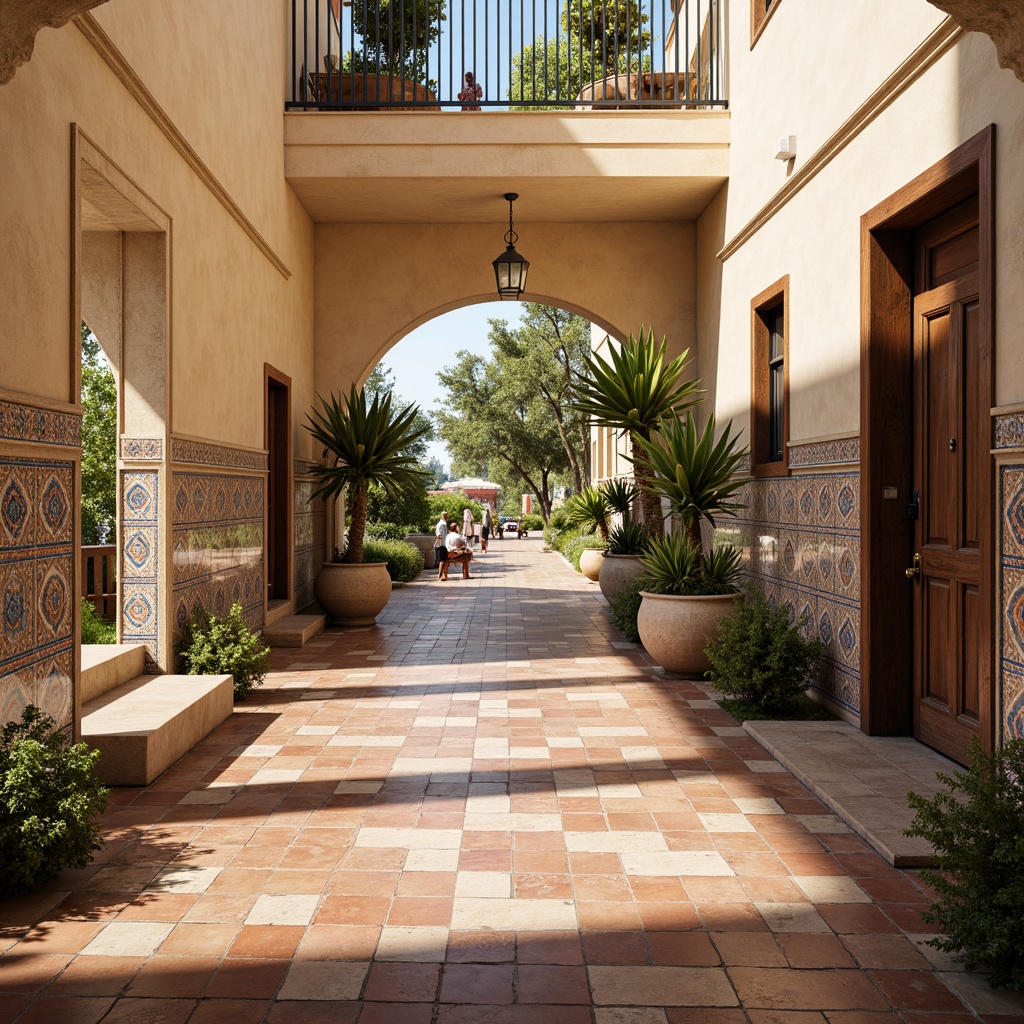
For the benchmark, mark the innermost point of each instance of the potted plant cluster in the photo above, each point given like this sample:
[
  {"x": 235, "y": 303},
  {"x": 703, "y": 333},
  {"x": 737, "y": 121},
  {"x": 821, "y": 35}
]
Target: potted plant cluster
[
  {"x": 687, "y": 588},
  {"x": 365, "y": 442},
  {"x": 591, "y": 511}
]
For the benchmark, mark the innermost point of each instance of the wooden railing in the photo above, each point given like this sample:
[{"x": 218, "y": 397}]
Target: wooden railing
[{"x": 99, "y": 579}]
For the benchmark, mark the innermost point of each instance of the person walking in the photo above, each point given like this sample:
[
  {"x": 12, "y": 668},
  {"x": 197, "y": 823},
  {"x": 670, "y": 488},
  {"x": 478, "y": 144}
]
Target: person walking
[
  {"x": 485, "y": 528},
  {"x": 467, "y": 525},
  {"x": 440, "y": 548}
]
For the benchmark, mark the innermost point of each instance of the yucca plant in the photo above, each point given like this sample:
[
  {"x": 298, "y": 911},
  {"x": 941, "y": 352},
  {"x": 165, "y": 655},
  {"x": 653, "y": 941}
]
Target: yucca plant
[
  {"x": 589, "y": 510},
  {"x": 632, "y": 393},
  {"x": 620, "y": 495},
  {"x": 697, "y": 474},
  {"x": 628, "y": 538},
  {"x": 672, "y": 565},
  {"x": 369, "y": 443}
]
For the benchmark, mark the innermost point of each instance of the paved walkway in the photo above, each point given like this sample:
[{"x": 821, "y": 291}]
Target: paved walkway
[{"x": 487, "y": 809}]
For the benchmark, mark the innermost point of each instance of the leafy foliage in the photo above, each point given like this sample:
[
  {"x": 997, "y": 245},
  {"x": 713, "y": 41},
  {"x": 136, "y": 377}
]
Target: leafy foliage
[
  {"x": 385, "y": 531},
  {"x": 625, "y": 609},
  {"x": 99, "y": 443},
  {"x": 977, "y": 829},
  {"x": 531, "y": 522},
  {"x": 576, "y": 545},
  {"x": 410, "y": 505},
  {"x": 405, "y": 560},
  {"x": 396, "y": 36},
  {"x": 49, "y": 799},
  {"x": 589, "y": 511},
  {"x": 94, "y": 629},
  {"x": 213, "y": 646},
  {"x": 620, "y": 496},
  {"x": 633, "y": 392},
  {"x": 628, "y": 538},
  {"x": 760, "y": 657},
  {"x": 367, "y": 442},
  {"x": 669, "y": 563},
  {"x": 454, "y": 504}
]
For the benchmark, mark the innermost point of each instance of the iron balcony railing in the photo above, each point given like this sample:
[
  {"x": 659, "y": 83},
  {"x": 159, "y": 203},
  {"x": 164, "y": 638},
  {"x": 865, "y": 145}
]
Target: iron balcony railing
[{"x": 506, "y": 54}]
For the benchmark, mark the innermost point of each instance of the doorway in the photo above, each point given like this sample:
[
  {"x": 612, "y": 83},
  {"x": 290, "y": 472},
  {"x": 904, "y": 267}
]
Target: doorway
[
  {"x": 279, "y": 489},
  {"x": 927, "y": 485}
]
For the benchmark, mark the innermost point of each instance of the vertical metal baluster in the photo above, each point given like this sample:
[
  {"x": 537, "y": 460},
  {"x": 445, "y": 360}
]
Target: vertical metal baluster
[
  {"x": 544, "y": 15},
  {"x": 678, "y": 14},
  {"x": 462, "y": 63},
  {"x": 295, "y": 42},
  {"x": 700, "y": 54},
  {"x": 305, "y": 47},
  {"x": 558, "y": 52},
  {"x": 476, "y": 71},
  {"x": 487, "y": 49},
  {"x": 522, "y": 46}
]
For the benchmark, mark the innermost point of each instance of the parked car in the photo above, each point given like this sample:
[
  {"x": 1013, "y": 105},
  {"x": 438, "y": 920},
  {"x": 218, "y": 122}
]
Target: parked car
[{"x": 512, "y": 526}]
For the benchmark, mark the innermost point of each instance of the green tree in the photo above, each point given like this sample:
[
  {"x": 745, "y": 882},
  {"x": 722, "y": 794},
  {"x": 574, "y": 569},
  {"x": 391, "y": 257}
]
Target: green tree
[
  {"x": 396, "y": 35},
  {"x": 99, "y": 443},
  {"x": 593, "y": 43},
  {"x": 495, "y": 417},
  {"x": 549, "y": 350}
]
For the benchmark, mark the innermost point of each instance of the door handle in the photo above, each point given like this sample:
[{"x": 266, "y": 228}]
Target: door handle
[{"x": 915, "y": 570}]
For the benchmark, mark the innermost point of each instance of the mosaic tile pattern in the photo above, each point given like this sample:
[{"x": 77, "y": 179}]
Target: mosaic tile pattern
[
  {"x": 44, "y": 426},
  {"x": 310, "y": 536},
  {"x": 141, "y": 449},
  {"x": 203, "y": 453},
  {"x": 1011, "y": 599},
  {"x": 140, "y": 514},
  {"x": 37, "y": 587},
  {"x": 803, "y": 534},
  {"x": 1009, "y": 430},
  {"x": 218, "y": 544},
  {"x": 842, "y": 451}
]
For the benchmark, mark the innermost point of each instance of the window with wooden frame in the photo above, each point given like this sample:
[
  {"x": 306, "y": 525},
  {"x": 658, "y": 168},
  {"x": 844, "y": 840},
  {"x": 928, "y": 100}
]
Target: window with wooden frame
[
  {"x": 769, "y": 375},
  {"x": 760, "y": 13}
]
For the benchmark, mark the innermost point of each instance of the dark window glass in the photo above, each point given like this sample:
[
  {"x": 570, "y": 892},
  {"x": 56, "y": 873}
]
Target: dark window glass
[{"x": 775, "y": 321}]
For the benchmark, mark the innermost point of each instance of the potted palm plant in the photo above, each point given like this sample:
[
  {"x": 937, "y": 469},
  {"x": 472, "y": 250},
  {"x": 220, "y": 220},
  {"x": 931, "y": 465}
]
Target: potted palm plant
[
  {"x": 620, "y": 565},
  {"x": 365, "y": 442},
  {"x": 589, "y": 511},
  {"x": 633, "y": 393},
  {"x": 689, "y": 587}
]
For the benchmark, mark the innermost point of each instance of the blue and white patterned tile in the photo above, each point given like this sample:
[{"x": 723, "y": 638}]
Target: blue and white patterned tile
[
  {"x": 56, "y": 522},
  {"x": 141, "y": 497},
  {"x": 1012, "y": 478},
  {"x": 17, "y": 609},
  {"x": 807, "y": 565},
  {"x": 15, "y": 696},
  {"x": 848, "y": 637},
  {"x": 1013, "y": 614},
  {"x": 54, "y": 599},
  {"x": 1013, "y": 703},
  {"x": 17, "y": 502},
  {"x": 847, "y": 567},
  {"x": 848, "y": 503},
  {"x": 140, "y": 610}
]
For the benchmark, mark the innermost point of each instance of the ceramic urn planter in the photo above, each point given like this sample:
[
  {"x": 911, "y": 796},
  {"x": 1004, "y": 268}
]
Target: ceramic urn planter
[
  {"x": 617, "y": 573},
  {"x": 675, "y": 630},
  {"x": 424, "y": 542},
  {"x": 353, "y": 594},
  {"x": 590, "y": 563}
]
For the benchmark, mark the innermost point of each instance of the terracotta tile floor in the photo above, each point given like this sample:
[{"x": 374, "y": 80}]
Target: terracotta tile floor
[{"x": 486, "y": 809}]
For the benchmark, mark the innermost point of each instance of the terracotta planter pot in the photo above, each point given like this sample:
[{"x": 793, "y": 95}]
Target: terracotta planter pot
[
  {"x": 590, "y": 563},
  {"x": 425, "y": 543},
  {"x": 353, "y": 595},
  {"x": 675, "y": 630},
  {"x": 617, "y": 573}
]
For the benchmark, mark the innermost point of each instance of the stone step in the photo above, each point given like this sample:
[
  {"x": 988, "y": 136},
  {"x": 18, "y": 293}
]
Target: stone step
[
  {"x": 105, "y": 666},
  {"x": 142, "y": 727},
  {"x": 294, "y": 630}
]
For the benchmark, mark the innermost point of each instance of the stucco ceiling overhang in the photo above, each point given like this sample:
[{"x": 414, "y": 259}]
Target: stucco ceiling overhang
[
  {"x": 586, "y": 166},
  {"x": 1001, "y": 20},
  {"x": 20, "y": 20}
]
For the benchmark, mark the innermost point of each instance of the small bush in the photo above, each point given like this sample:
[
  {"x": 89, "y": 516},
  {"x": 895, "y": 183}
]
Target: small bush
[
  {"x": 559, "y": 518},
  {"x": 405, "y": 505},
  {"x": 405, "y": 560},
  {"x": 759, "y": 658},
  {"x": 625, "y": 608},
  {"x": 531, "y": 522},
  {"x": 48, "y": 800},
  {"x": 94, "y": 629},
  {"x": 977, "y": 829},
  {"x": 578, "y": 544},
  {"x": 453, "y": 504},
  {"x": 386, "y": 531},
  {"x": 215, "y": 646}
]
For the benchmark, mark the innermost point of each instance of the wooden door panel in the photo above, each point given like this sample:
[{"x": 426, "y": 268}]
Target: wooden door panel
[
  {"x": 939, "y": 480},
  {"x": 969, "y": 702},
  {"x": 937, "y": 612},
  {"x": 974, "y": 459}
]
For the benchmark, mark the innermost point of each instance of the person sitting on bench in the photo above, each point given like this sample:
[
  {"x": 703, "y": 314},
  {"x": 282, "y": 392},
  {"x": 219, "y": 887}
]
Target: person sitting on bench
[{"x": 458, "y": 551}]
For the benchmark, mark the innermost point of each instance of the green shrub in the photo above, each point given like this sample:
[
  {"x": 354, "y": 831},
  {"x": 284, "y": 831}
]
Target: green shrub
[
  {"x": 215, "y": 646},
  {"x": 758, "y": 657},
  {"x": 409, "y": 504},
  {"x": 672, "y": 565},
  {"x": 578, "y": 544},
  {"x": 48, "y": 800},
  {"x": 531, "y": 522},
  {"x": 559, "y": 518},
  {"x": 977, "y": 830},
  {"x": 453, "y": 504},
  {"x": 94, "y": 629},
  {"x": 405, "y": 560},
  {"x": 625, "y": 608},
  {"x": 387, "y": 531}
]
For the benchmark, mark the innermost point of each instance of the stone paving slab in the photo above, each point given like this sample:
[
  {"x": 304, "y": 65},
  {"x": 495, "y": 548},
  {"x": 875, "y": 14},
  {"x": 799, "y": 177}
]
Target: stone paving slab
[{"x": 487, "y": 808}]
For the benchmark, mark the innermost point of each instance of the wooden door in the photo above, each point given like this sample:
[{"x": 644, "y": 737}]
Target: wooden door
[{"x": 950, "y": 466}]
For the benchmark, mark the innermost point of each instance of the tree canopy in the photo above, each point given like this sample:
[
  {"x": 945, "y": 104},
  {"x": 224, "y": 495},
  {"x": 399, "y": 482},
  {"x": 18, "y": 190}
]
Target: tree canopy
[{"x": 99, "y": 443}]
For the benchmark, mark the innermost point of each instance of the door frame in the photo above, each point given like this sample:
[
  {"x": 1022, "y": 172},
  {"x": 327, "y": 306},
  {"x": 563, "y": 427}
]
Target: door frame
[
  {"x": 887, "y": 422},
  {"x": 283, "y": 544}
]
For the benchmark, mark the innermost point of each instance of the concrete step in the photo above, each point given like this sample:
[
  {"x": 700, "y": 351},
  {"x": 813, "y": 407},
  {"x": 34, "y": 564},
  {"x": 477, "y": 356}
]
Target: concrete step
[
  {"x": 142, "y": 727},
  {"x": 294, "y": 630},
  {"x": 105, "y": 666}
]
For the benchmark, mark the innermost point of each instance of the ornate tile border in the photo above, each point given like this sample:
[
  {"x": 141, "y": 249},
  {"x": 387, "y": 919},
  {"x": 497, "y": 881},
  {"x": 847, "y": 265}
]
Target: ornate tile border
[
  {"x": 19, "y": 422},
  {"x": 140, "y": 534},
  {"x": 141, "y": 449},
  {"x": 1011, "y": 599},
  {"x": 841, "y": 451},
  {"x": 1009, "y": 430},
  {"x": 37, "y": 587},
  {"x": 206, "y": 453}
]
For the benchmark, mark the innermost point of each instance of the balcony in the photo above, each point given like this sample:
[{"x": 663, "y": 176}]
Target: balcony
[{"x": 509, "y": 55}]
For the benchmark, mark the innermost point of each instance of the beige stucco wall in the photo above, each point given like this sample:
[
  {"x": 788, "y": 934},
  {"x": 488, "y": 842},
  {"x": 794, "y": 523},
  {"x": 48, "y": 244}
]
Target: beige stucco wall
[
  {"x": 375, "y": 283},
  {"x": 815, "y": 237},
  {"x": 231, "y": 308}
]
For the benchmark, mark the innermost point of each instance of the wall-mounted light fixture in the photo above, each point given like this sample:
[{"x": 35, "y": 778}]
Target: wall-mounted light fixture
[
  {"x": 787, "y": 148},
  {"x": 510, "y": 268}
]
